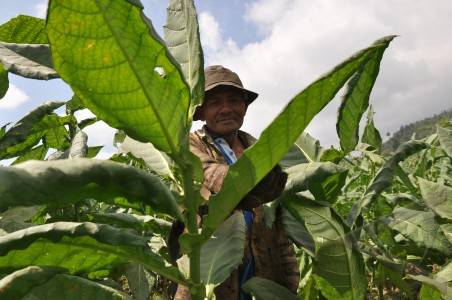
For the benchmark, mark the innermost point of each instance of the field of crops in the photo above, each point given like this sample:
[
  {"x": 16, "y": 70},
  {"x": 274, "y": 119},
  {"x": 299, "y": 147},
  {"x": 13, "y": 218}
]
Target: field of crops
[{"x": 365, "y": 225}]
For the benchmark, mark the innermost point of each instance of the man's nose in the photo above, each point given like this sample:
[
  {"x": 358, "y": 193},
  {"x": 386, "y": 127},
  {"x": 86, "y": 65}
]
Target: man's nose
[{"x": 225, "y": 107}]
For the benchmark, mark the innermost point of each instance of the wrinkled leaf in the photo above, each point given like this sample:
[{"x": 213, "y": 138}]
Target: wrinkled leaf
[
  {"x": 137, "y": 222},
  {"x": 57, "y": 137},
  {"x": 116, "y": 63},
  {"x": 24, "y": 30},
  {"x": 29, "y": 130},
  {"x": 441, "y": 287},
  {"x": 279, "y": 137},
  {"x": 323, "y": 179},
  {"x": 298, "y": 233},
  {"x": 447, "y": 230},
  {"x": 28, "y": 60},
  {"x": 264, "y": 289},
  {"x": 384, "y": 178},
  {"x": 81, "y": 248},
  {"x": 445, "y": 274},
  {"x": 37, "y": 153},
  {"x": 18, "y": 284},
  {"x": 371, "y": 135},
  {"x": 306, "y": 149},
  {"x": 87, "y": 122},
  {"x": 181, "y": 34},
  {"x": 79, "y": 147},
  {"x": 223, "y": 252},
  {"x": 137, "y": 281},
  {"x": 4, "y": 82},
  {"x": 356, "y": 99},
  {"x": 328, "y": 291},
  {"x": 336, "y": 259},
  {"x": 438, "y": 197},
  {"x": 420, "y": 227},
  {"x": 67, "y": 181},
  {"x": 156, "y": 161},
  {"x": 445, "y": 139}
]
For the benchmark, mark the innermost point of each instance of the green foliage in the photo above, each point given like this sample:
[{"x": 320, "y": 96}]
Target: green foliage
[
  {"x": 121, "y": 71},
  {"x": 68, "y": 181},
  {"x": 264, "y": 289},
  {"x": 336, "y": 259},
  {"x": 148, "y": 88},
  {"x": 183, "y": 41},
  {"x": 28, "y": 60},
  {"x": 222, "y": 254},
  {"x": 4, "y": 81},
  {"x": 24, "y": 30},
  {"x": 371, "y": 135},
  {"x": 356, "y": 98}
]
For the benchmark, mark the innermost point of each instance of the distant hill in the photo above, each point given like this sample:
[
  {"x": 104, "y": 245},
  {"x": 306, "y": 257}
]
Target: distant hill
[{"x": 421, "y": 128}]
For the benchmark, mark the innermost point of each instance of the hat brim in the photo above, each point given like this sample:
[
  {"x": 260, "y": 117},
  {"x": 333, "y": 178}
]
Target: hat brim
[{"x": 251, "y": 96}]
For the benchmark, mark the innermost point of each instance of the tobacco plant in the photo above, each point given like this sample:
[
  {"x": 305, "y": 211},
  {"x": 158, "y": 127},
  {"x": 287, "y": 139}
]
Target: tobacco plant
[{"x": 77, "y": 227}]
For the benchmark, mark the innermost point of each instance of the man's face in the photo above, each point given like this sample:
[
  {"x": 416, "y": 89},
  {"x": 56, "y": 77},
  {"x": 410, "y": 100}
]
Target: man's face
[{"x": 223, "y": 110}]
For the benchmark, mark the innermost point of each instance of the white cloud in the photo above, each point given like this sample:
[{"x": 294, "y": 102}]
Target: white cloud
[
  {"x": 14, "y": 98},
  {"x": 99, "y": 133},
  {"x": 210, "y": 31},
  {"x": 40, "y": 9},
  {"x": 304, "y": 39}
]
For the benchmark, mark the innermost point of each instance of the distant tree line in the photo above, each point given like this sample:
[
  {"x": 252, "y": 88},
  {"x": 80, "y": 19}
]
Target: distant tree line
[{"x": 419, "y": 130}]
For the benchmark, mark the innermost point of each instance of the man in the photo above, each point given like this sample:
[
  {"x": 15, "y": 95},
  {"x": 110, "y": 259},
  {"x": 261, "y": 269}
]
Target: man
[{"x": 268, "y": 252}]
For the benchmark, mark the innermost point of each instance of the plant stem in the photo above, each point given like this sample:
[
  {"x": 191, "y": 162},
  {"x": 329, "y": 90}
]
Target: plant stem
[{"x": 192, "y": 226}]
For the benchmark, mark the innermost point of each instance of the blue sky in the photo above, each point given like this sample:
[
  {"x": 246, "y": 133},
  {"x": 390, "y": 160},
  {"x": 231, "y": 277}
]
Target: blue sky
[{"x": 280, "y": 46}]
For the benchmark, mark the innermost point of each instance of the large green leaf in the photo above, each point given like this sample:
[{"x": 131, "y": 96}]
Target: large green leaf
[
  {"x": 445, "y": 139},
  {"x": 67, "y": 287},
  {"x": 223, "y": 252},
  {"x": 356, "y": 98},
  {"x": 137, "y": 281},
  {"x": 298, "y": 233},
  {"x": 280, "y": 135},
  {"x": 420, "y": 227},
  {"x": 383, "y": 179},
  {"x": 18, "y": 284},
  {"x": 4, "y": 81},
  {"x": 57, "y": 137},
  {"x": 306, "y": 149},
  {"x": 38, "y": 153},
  {"x": 336, "y": 259},
  {"x": 24, "y": 30},
  {"x": 447, "y": 230},
  {"x": 81, "y": 248},
  {"x": 29, "y": 130},
  {"x": 156, "y": 161},
  {"x": 67, "y": 181},
  {"x": 371, "y": 135},
  {"x": 28, "y": 60},
  {"x": 137, "y": 222},
  {"x": 181, "y": 34},
  {"x": 438, "y": 197},
  {"x": 116, "y": 63},
  {"x": 264, "y": 289},
  {"x": 323, "y": 179}
]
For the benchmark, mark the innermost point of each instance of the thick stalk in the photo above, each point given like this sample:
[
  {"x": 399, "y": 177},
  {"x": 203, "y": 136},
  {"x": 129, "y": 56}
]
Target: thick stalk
[{"x": 191, "y": 202}]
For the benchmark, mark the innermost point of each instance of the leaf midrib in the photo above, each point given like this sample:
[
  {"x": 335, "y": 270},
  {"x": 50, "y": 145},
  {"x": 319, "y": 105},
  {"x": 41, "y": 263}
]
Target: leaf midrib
[{"x": 136, "y": 73}]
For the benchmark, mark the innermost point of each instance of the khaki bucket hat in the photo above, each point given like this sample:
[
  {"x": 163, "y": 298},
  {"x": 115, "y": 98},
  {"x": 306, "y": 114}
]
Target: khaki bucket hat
[{"x": 220, "y": 76}]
